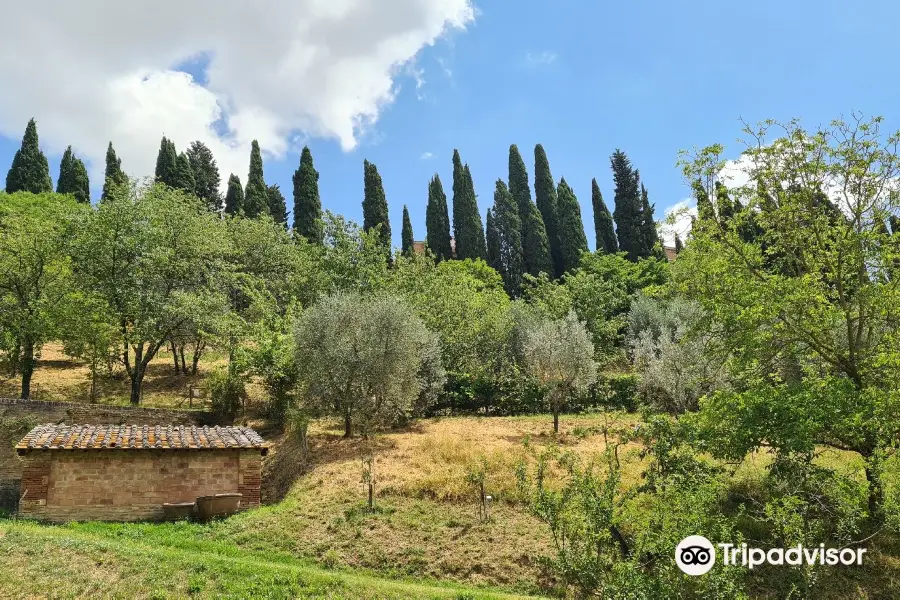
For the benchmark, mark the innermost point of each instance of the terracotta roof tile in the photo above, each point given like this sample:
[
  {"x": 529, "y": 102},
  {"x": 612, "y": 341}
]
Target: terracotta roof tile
[{"x": 139, "y": 437}]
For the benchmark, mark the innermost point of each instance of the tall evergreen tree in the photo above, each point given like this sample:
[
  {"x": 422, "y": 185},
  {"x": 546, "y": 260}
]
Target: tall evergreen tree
[
  {"x": 166, "y": 162},
  {"x": 571, "y": 227},
  {"x": 628, "y": 213},
  {"x": 725, "y": 206},
  {"x": 535, "y": 245},
  {"x": 114, "y": 175},
  {"x": 206, "y": 175},
  {"x": 277, "y": 205},
  {"x": 307, "y": 204},
  {"x": 468, "y": 230},
  {"x": 234, "y": 197},
  {"x": 30, "y": 171},
  {"x": 547, "y": 203},
  {"x": 678, "y": 245},
  {"x": 375, "y": 207},
  {"x": 73, "y": 178},
  {"x": 603, "y": 222},
  {"x": 183, "y": 175},
  {"x": 650, "y": 236},
  {"x": 437, "y": 221},
  {"x": 895, "y": 224},
  {"x": 407, "y": 234},
  {"x": 256, "y": 193},
  {"x": 705, "y": 210},
  {"x": 493, "y": 241},
  {"x": 507, "y": 227}
]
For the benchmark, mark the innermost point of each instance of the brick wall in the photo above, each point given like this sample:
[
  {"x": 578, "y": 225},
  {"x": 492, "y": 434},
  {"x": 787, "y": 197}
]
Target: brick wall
[
  {"x": 15, "y": 413},
  {"x": 122, "y": 485}
]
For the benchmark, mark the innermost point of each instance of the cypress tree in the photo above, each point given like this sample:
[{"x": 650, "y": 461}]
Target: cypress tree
[
  {"x": 895, "y": 224},
  {"x": 206, "y": 175},
  {"x": 437, "y": 221},
  {"x": 678, "y": 245},
  {"x": 535, "y": 245},
  {"x": 705, "y": 211},
  {"x": 234, "y": 197},
  {"x": 183, "y": 176},
  {"x": 375, "y": 207},
  {"x": 73, "y": 177},
  {"x": 468, "y": 230},
  {"x": 30, "y": 171},
  {"x": 493, "y": 241},
  {"x": 628, "y": 214},
  {"x": 166, "y": 162},
  {"x": 547, "y": 203},
  {"x": 726, "y": 208},
  {"x": 256, "y": 193},
  {"x": 603, "y": 222},
  {"x": 64, "y": 181},
  {"x": 407, "y": 234},
  {"x": 277, "y": 204},
  {"x": 507, "y": 227},
  {"x": 650, "y": 237},
  {"x": 113, "y": 176},
  {"x": 571, "y": 227},
  {"x": 307, "y": 204}
]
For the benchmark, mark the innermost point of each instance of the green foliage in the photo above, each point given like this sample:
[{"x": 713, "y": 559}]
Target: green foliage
[
  {"x": 407, "y": 234},
  {"x": 307, "y": 205},
  {"x": 353, "y": 258},
  {"x": 546, "y": 199},
  {"x": 114, "y": 177},
  {"x": 468, "y": 230},
  {"x": 226, "y": 392},
  {"x": 535, "y": 243},
  {"x": 493, "y": 241},
  {"x": 437, "y": 221},
  {"x": 206, "y": 176},
  {"x": 73, "y": 178},
  {"x": 630, "y": 208},
  {"x": 603, "y": 222},
  {"x": 273, "y": 360},
  {"x": 375, "y": 207},
  {"x": 30, "y": 171},
  {"x": 277, "y": 205},
  {"x": 166, "y": 162},
  {"x": 234, "y": 196},
  {"x": 183, "y": 175},
  {"x": 507, "y": 239},
  {"x": 572, "y": 241},
  {"x": 256, "y": 192}
]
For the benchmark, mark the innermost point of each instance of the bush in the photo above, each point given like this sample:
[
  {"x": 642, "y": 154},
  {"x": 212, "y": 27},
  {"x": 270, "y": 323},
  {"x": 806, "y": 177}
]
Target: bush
[{"x": 227, "y": 393}]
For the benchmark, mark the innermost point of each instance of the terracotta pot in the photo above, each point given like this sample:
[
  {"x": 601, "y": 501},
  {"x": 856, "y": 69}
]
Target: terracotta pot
[
  {"x": 178, "y": 511},
  {"x": 220, "y": 505}
]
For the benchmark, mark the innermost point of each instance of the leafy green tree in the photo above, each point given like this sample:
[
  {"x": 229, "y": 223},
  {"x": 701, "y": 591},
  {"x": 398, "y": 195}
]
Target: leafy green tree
[
  {"x": 437, "y": 221},
  {"x": 73, "y": 178},
  {"x": 277, "y": 205},
  {"x": 545, "y": 195},
  {"x": 407, "y": 234},
  {"x": 206, "y": 175},
  {"x": 234, "y": 196},
  {"x": 30, "y": 171},
  {"x": 35, "y": 272},
  {"x": 468, "y": 230},
  {"x": 307, "y": 205},
  {"x": 559, "y": 356},
  {"x": 123, "y": 253},
  {"x": 507, "y": 227},
  {"x": 353, "y": 260},
  {"x": 603, "y": 222},
  {"x": 818, "y": 346},
  {"x": 629, "y": 211},
  {"x": 369, "y": 359},
  {"x": 114, "y": 176},
  {"x": 705, "y": 210},
  {"x": 375, "y": 207},
  {"x": 571, "y": 228},
  {"x": 535, "y": 244},
  {"x": 183, "y": 175},
  {"x": 166, "y": 162},
  {"x": 256, "y": 192}
]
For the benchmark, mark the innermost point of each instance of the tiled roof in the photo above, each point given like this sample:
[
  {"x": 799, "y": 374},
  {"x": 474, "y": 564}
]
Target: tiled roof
[{"x": 139, "y": 437}]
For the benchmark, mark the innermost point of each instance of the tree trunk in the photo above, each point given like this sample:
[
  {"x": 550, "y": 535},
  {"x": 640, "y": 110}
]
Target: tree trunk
[
  {"x": 184, "y": 370},
  {"x": 27, "y": 368},
  {"x": 14, "y": 359},
  {"x": 876, "y": 494},
  {"x": 174, "y": 355},
  {"x": 555, "y": 420},
  {"x": 137, "y": 379},
  {"x": 93, "y": 383},
  {"x": 348, "y": 424},
  {"x": 198, "y": 350}
]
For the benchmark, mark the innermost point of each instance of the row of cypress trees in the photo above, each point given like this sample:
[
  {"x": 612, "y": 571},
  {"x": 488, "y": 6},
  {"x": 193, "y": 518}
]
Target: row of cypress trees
[{"x": 521, "y": 235}]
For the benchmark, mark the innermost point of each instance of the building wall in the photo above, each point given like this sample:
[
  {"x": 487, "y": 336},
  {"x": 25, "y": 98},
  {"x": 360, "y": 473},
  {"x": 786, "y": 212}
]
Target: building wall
[
  {"x": 123, "y": 485},
  {"x": 17, "y": 417}
]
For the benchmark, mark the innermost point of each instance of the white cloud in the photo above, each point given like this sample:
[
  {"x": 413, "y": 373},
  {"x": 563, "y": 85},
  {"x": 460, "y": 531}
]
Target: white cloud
[
  {"x": 541, "y": 58},
  {"x": 677, "y": 221},
  {"x": 426, "y": 156},
  {"x": 105, "y": 71}
]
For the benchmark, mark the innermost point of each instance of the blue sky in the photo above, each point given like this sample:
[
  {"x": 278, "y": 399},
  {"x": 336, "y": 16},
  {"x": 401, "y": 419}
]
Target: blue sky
[{"x": 584, "y": 78}]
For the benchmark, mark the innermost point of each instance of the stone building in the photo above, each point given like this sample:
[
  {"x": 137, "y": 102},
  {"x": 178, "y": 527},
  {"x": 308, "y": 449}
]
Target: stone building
[{"x": 127, "y": 472}]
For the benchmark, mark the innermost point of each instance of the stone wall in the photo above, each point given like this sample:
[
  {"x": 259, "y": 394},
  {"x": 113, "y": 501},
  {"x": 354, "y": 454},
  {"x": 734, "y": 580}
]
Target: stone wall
[
  {"x": 131, "y": 485},
  {"x": 17, "y": 417}
]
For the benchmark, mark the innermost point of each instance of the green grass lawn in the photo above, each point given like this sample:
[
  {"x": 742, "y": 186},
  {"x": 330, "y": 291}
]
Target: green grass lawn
[{"x": 175, "y": 561}]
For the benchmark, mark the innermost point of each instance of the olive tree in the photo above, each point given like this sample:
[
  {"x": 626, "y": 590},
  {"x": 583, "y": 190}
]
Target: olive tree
[
  {"x": 369, "y": 359},
  {"x": 559, "y": 356}
]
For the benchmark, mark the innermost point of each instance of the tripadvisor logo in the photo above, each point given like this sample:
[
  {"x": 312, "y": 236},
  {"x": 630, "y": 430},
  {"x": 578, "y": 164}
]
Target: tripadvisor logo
[{"x": 696, "y": 555}]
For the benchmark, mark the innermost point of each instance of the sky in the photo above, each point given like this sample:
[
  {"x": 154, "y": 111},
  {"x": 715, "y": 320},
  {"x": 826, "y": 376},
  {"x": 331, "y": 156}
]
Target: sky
[{"x": 404, "y": 82}]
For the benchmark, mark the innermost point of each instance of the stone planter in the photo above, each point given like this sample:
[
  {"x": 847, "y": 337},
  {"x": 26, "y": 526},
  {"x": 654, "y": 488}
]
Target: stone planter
[
  {"x": 220, "y": 505},
  {"x": 178, "y": 511}
]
